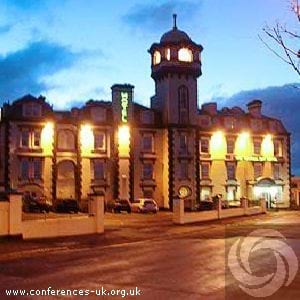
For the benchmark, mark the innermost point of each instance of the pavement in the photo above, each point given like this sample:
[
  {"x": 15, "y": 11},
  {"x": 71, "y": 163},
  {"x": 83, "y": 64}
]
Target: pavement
[{"x": 160, "y": 259}]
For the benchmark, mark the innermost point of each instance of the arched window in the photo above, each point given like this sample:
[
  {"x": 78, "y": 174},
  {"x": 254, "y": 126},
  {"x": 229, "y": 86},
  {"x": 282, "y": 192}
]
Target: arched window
[
  {"x": 66, "y": 140},
  {"x": 168, "y": 53},
  {"x": 183, "y": 104},
  {"x": 156, "y": 57},
  {"x": 185, "y": 54}
]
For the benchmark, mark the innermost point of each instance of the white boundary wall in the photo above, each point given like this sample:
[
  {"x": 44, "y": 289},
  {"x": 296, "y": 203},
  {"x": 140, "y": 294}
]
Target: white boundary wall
[
  {"x": 11, "y": 222},
  {"x": 182, "y": 217}
]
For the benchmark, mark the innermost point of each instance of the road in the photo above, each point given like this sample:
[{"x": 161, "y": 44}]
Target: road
[{"x": 162, "y": 260}]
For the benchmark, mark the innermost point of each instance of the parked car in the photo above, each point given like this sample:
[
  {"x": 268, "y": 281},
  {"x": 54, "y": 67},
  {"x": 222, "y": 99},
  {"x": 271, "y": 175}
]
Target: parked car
[
  {"x": 67, "y": 206},
  {"x": 34, "y": 203},
  {"x": 143, "y": 205},
  {"x": 122, "y": 205}
]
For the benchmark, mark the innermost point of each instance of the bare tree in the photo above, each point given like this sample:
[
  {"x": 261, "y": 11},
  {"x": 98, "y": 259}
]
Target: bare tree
[{"x": 285, "y": 42}]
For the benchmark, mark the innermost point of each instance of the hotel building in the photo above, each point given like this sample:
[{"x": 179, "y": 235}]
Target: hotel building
[{"x": 122, "y": 149}]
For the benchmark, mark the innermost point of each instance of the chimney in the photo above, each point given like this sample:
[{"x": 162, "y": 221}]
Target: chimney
[
  {"x": 254, "y": 108},
  {"x": 210, "y": 108}
]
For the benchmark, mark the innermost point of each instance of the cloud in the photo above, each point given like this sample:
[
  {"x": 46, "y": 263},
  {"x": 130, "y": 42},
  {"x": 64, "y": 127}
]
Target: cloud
[
  {"x": 21, "y": 71},
  {"x": 5, "y": 29},
  {"x": 151, "y": 17},
  {"x": 280, "y": 102}
]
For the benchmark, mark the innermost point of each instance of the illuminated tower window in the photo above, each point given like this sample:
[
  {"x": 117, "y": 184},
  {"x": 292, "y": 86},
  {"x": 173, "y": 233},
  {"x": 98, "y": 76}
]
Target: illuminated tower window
[
  {"x": 156, "y": 57},
  {"x": 185, "y": 54},
  {"x": 168, "y": 54}
]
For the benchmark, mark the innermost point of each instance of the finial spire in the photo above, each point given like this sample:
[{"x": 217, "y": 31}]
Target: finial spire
[{"x": 174, "y": 21}]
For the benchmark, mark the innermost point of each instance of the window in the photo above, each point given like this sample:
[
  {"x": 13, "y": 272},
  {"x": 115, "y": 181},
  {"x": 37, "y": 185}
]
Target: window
[
  {"x": 156, "y": 57},
  {"x": 204, "y": 170},
  {"x": 184, "y": 170},
  {"x": 148, "y": 193},
  {"x": 258, "y": 168},
  {"x": 229, "y": 123},
  {"x": 183, "y": 104},
  {"x": 205, "y": 193},
  {"x": 231, "y": 193},
  {"x": 66, "y": 140},
  {"x": 230, "y": 146},
  {"x": 30, "y": 138},
  {"x": 32, "y": 110},
  {"x": 230, "y": 171},
  {"x": 278, "y": 148},
  {"x": 168, "y": 54},
  {"x": 204, "y": 145},
  {"x": 147, "y": 171},
  {"x": 98, "y": 169},
  {"x": 37, "y": 168},
  {"x": 257, "y": 147},
  {"x": 24, "y": 169},
  {"x": 25, "y": 138},
  {"x": 37, "y": 138},
  {"x": 183, "y": 143},
  {"x": 185, "y": 55},
  {"x": 276, "y": 171},
  {"x": 31, "y": 168},
  {"x": 99, "y": 140},
  {"x": 147, "y": 143}
]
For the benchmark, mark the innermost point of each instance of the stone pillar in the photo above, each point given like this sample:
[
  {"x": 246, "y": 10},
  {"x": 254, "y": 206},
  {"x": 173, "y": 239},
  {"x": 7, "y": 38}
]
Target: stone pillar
[
  {"x": 244, "y": 204},
  {"x": 15, "y": 214},
  {"x": 178, "y": 211},
  {"x": 96, "y": 208}
]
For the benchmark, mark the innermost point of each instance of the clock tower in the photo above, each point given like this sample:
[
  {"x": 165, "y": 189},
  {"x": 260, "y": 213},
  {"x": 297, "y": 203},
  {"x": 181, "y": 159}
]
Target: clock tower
[{"x": 176, "y": 65}]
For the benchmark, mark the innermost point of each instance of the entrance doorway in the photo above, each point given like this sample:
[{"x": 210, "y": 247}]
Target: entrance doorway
[{"x": 267, "y": 189}]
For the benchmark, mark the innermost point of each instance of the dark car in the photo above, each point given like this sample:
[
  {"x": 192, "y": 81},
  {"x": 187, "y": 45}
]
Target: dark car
[
  {"x": 67, "y": 206},
  {"x": 122, "y": 205},
  {"x": 34, "y": 203}
]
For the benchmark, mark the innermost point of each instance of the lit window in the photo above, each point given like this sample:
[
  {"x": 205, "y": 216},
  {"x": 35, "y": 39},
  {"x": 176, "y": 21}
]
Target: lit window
[
  {"x": 258, "y": 168},
  {"x": 185, "y": 54},
  {"x": 37, "y": 168},
  {"x": 276, "y": 171},
  {"x": 204, "y": 145},
  {"x": 231, "y": 193},
  {"x": 99, "y": 140},
  {"x": 257, "y": 147},
  {"x": 204, "y": 170},
  {"x": 147, "y": 143},
  {"x": 98, "y": 169},
  {"x": 147, "y": 171},
  {"x": 205, "y": 193},
  {"x": 184, "y": 170},
  {"x": 168, "y": 54},
  {"x": 156, "y": 57},
  {"x": 230, "y": 171},
  {"x": 230, "y": 146},
  {"x": 278, "y": 148}
]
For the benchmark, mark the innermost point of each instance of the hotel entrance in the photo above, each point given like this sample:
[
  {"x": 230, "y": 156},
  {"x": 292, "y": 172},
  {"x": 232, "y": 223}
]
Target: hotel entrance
[{"x": 267, "y": 189}]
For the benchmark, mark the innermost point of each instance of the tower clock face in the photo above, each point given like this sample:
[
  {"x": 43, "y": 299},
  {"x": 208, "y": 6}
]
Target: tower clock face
[{"x": 185, "y": 54}]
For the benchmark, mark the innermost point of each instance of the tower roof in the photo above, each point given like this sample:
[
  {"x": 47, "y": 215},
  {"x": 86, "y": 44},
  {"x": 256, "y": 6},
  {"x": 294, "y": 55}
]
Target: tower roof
[{"x": 175, "y": 35}]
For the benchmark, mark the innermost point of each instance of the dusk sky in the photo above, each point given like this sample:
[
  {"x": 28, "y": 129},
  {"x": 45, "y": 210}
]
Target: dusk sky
[{"x": 74, "y": 50}]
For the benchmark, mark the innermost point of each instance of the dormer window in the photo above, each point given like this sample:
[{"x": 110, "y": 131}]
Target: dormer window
[
  {"x": 32, "y": 110},
  {"x": 156, "y": 57},
  {"x": 185, "y": 54},
  {"x": 168, "y": 54}
]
